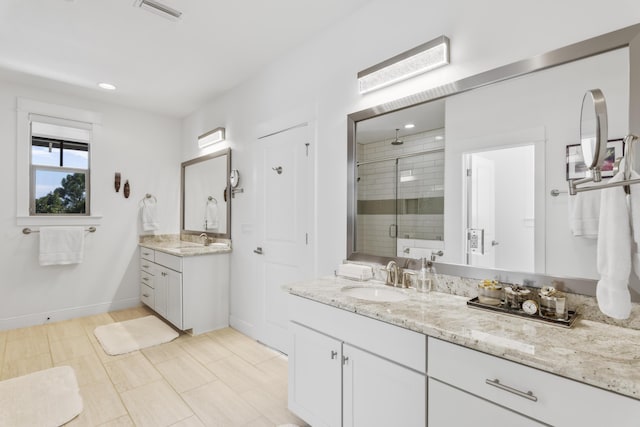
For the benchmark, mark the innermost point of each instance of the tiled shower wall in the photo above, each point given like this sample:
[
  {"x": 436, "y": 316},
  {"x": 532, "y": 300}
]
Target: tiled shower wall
[{"x": 420, "y": 188}]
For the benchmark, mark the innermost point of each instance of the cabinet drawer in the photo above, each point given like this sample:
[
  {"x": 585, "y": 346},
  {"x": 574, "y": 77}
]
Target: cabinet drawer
[
  {"x": 147, "y": 266},
  {"x": 146, "y": 279},
  {"x": 148, "y": 254},
  {"x": 554, "y": 400},
  {"x": 169, "y": 261},
  {"x": 147, "y": 295}
]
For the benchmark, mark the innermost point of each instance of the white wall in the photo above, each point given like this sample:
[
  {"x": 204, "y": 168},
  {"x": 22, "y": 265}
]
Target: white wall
[
  {"x": 319, "y": 80},
  {"x": 145, "y": 149}
]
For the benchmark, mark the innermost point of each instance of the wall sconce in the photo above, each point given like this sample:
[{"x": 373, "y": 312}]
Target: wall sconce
[
  {"x": 211, "y": 137},
  {"x": 420, "y": 59}
]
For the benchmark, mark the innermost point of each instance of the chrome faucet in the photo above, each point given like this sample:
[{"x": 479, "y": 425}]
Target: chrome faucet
[
  {"x": 392, "y": 273},
  {"x": 205, "y": 239}
]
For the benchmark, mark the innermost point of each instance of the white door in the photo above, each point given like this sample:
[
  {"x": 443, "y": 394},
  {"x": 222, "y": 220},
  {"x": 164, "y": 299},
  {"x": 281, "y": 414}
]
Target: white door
[
  {"x": 482, "y": 209},
  {"x": 285, "y": 179}
]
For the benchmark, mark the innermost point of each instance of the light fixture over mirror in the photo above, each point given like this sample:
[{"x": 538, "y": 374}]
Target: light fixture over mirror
[
  {"x": 211, "y": 137},
  {"x": 420, "y": 59}
]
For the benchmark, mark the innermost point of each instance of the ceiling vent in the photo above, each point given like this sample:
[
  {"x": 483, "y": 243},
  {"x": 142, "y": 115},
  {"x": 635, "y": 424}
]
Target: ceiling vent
[{"x": 159, "y": 9}]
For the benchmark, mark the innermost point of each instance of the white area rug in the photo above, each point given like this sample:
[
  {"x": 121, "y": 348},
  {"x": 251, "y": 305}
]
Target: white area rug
[
  {"x": 44, "y": 398},
  {"x": 131, "y": 335}
]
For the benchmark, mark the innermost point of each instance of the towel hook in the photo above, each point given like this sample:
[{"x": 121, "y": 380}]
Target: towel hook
[
  {"x": 212, "y": 199},
  {"x": 278, "y": 169}
]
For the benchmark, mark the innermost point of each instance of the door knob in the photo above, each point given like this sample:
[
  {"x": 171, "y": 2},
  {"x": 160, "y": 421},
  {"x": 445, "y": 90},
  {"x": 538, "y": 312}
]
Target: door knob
[{"x": 258, "y": 250}]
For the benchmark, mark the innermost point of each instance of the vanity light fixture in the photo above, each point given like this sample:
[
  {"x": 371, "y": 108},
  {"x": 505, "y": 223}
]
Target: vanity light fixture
[
  {"x": 211, "y": 137},
  {"x": 420, "y": 59}
]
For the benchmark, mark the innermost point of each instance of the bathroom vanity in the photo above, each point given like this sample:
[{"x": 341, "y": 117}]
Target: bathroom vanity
[
  {"x": 428, "y": 359},
  {"x": 186, "y": 283}
]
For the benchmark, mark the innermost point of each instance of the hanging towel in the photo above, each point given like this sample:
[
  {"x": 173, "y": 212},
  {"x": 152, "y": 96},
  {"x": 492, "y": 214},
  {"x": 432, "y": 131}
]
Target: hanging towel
[
  {"x": 61, "y": 245},
  {"x": 211, "y": 215},
  {"x": 149, "y": 214},
  {"x": 614, "y": 252},
  {"x": 634, "y": 205},
  {"x": 584, "y": 214}
]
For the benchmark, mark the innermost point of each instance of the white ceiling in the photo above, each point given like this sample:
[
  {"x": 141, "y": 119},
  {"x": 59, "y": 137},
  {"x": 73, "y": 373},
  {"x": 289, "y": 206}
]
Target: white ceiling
[{"x": 168, "y": 67}]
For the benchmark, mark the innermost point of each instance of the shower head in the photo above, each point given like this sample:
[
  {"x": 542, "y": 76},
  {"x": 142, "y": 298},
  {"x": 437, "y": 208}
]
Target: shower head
[{"x": 396, "y": 141}]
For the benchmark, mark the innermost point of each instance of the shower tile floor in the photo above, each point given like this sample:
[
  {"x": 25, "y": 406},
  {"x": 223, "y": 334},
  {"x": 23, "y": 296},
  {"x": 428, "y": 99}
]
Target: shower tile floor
[{"x": 222, "y": 378}]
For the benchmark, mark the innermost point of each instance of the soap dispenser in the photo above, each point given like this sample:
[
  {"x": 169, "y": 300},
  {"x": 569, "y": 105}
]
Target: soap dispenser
[{"x": 424, "y": 281}]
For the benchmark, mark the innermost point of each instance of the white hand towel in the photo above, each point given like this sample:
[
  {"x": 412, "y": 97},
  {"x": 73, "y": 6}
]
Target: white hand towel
[
  {"x": 61, "y": 245},
  {"x": 149, "y": 215},
  {"x": 584, "y": 214},
  {"x": 614, "y": 252},
  {"x": 634, "y": 204},
  {"x": 211, "y": 215}
]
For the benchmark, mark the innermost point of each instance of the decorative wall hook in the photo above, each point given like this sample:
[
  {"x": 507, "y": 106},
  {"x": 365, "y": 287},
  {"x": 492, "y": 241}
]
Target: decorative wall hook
[
  {"x": 127, "y": 189},
  {"x": 117, "y": 181}
]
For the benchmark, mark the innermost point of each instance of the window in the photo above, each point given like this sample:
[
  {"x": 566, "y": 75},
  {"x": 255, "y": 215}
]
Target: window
[{"x": 59, "y": 178}]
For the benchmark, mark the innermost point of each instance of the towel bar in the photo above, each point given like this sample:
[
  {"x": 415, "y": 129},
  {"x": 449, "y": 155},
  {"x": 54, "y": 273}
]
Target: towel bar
[{"x": 29, "y": 231}]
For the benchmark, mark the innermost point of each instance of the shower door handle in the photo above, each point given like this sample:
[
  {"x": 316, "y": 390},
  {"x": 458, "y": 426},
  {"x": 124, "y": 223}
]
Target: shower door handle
[{"x": 393, "y": 230}]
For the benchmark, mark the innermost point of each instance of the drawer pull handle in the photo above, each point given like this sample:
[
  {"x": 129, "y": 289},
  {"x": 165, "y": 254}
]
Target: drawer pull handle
[
  {"x": 146, "y": 253},
  {"x": 146, "y": 279},
  {"x": 145, "y": 295},
  {"x": 528, "y": 395},
  {"x": 145, "y": 266}
]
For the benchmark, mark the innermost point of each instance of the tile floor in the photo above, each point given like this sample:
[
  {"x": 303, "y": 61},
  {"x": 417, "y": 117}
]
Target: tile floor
[{"x": 221, "y": 378}]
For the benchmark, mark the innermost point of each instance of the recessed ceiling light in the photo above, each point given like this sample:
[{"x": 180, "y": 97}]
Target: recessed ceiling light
[
  {"x": 409, "y": 126},
  {"x": 107, "y": 86}
]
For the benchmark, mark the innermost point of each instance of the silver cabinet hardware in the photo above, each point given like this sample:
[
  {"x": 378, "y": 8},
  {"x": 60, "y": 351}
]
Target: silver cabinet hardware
[
  {"x": 145, "y": 295},
  {"x": 494, "y": 243},
  {"x": 278, "y": 169},
  {"x": 146, "y": 279},
  {"x": 163, "y": 273},
  {"x": 496, "y": 383},
  {"x": 258, "y": 250},
  {"x": 333, "y": 354},
  {"x": 146, "y": 253},
  {"x": 145, "y": 265},
  {"x": 345, "y": 360}
]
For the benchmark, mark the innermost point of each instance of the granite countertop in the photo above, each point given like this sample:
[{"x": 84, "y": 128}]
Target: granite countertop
[
  {"x": 186, "y": 249},
  {"x": 595, "y": 353}
]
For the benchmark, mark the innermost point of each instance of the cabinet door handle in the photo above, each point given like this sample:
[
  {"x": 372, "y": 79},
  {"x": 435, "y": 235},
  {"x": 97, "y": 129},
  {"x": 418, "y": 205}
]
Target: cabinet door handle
[
  {"x": 145, "y": 295},
  {"x": 496, "y": 383},
  {"x": 345, "y": 360},
  {"x": 146, "y": 279},
  {"x": 333, "y": 354},
  {"x": 146, "y": 253},
  {"x": 163, "y": 273}
]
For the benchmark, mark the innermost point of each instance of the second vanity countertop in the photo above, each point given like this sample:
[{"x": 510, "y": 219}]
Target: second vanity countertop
[
  {"x": 594, "y": 353},
  {"x": 186, "y": 249}
]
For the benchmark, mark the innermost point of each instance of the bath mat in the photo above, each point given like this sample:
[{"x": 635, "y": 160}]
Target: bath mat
[
  {"x": 132, "y": 335},
  {"x": 44, "y": 398}
]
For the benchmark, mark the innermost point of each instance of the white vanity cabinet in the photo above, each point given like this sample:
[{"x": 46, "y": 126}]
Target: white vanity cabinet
[
  {"x": 353, "y": 371},
  {"x": 190, "y": 292},
  {"x": 489, "y": 384}
]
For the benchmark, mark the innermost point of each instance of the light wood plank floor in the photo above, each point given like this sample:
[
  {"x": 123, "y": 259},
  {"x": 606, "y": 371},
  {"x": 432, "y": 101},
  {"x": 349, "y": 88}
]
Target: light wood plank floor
[{"x": 221, "y": 378}]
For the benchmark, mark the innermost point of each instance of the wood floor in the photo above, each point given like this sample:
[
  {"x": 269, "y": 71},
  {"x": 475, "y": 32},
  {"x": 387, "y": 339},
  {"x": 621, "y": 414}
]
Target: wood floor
[{"x": 222, "y": 378}]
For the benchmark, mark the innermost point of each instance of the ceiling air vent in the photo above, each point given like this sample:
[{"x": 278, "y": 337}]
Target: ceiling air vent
[{"x": 159, "y": 9}]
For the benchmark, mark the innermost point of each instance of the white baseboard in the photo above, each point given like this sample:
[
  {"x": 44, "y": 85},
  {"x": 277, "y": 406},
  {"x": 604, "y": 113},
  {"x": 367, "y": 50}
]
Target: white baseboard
[
  {"x": 243, "y": 326},
  {"x": 67, "y": 313}
]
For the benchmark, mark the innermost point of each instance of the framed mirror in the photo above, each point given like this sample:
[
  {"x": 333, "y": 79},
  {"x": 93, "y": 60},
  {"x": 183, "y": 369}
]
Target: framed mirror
[
  {"x": 520, "y": 118},
  {"x": 204, "y": 206}
]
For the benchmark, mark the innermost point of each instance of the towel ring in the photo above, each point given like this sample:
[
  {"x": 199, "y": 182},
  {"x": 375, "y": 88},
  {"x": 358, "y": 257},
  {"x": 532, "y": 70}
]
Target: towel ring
[
  {"x": 212, "y": 199},
  {"x": 148, "y": 196}
]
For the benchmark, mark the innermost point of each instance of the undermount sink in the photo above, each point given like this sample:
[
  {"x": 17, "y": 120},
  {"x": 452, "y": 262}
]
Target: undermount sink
[{"x": 377, "y": 293}]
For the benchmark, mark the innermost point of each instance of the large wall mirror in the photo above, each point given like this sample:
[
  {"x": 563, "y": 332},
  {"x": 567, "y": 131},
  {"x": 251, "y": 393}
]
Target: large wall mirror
[
  {"x": 206, "y": 203},
  {"x": 468, "y": 169}
]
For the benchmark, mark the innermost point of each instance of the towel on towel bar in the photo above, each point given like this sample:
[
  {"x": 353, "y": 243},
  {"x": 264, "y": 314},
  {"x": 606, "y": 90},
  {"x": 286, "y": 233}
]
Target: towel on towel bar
[
  {"x": 634, "y": 207},
  {"x": 584, "y": 214},
  {"x": 614, "y": 252},
  {"x": 61, "y": 245},
  {"x": 149, "y": 214}
]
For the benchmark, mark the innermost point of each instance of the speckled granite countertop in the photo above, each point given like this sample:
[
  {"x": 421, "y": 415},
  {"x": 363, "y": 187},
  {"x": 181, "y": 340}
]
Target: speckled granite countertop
[
  {"x": 602, "y": 355},
  {"x": 185, "y": 248}
]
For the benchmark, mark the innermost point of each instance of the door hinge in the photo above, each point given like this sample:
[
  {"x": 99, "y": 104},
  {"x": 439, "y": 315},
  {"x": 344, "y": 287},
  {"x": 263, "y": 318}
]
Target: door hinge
[
  {"x": 468, "y": 172},
  {"x": 307, "y": 146}
]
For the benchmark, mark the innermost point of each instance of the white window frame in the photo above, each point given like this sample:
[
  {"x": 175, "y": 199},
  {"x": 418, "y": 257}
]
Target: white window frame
[{"x": 25, "y": 108}]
